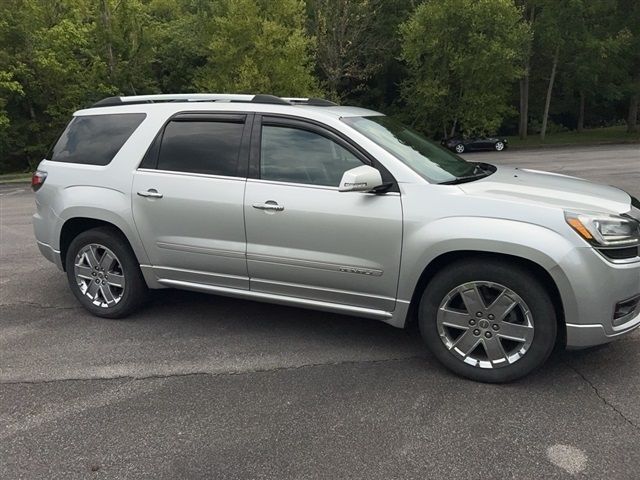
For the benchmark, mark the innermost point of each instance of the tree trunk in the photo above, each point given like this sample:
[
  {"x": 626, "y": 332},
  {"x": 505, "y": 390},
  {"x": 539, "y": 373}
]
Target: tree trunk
[
  {"x": 523, "y": 127},
  {"x": 581, "y": 112},
  {"x": 453, "y": 127},
  {"x": 106, "y": 20},
  {"x": 632, "y": 118},
  {"x": 547, "y": 101},
  {"x": 524, "y": 105}
]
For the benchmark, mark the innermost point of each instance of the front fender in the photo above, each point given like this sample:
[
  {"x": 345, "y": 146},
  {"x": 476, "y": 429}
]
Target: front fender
[{"x": 537, "y": 244}]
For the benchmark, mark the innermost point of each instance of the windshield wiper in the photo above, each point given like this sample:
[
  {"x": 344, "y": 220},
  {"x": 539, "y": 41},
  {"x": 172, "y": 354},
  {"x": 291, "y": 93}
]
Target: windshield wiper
[{"x": 480, "y": 170}]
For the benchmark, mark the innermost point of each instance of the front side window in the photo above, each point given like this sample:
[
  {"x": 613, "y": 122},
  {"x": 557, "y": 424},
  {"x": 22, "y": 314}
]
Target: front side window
[
  {"x": 95, "y": 139},
  {"x": 430, "y": 161},
  {"x": 208, "y": 147},
  {"x": 299, "y": 156}
]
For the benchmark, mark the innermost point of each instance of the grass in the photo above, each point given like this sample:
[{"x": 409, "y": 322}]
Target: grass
[
  {"x": 591, "y": 136},
  {"x": 15, "y": 178}
]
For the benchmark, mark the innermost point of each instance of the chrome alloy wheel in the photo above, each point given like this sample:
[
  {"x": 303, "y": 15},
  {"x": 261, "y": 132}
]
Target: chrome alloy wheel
[
  {"x": 485, "y": 324},
  {"x": 499, "y": 146},
  {"x": 460, "y": 148},
  {"x": 99, "y": 275}
]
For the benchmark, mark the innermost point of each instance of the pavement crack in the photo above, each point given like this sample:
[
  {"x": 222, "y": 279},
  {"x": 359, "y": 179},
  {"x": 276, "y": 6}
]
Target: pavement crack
[
  {"x": 211, "y": 374},
  {"x": 603, "y": 398},
  {"x": 37, "y": 305}
]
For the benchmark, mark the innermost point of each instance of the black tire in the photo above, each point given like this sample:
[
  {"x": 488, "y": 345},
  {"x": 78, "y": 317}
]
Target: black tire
[
  {"x": 135, "y": 291},
  {"x": 515, "y": 278},
  {"x": 460, "y": 148}
]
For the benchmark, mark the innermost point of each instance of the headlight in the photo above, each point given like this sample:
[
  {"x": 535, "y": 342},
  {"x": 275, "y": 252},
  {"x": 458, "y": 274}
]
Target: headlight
[{"x": 605, "y": 230}]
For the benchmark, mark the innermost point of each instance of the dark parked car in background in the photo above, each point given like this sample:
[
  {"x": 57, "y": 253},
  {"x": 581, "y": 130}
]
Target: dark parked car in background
[{"x": 461, "y": 145}]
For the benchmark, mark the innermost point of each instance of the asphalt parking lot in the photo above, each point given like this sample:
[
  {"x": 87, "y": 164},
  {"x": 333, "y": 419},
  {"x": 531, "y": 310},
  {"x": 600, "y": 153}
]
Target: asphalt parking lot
[{"x": 198, "y": 386}]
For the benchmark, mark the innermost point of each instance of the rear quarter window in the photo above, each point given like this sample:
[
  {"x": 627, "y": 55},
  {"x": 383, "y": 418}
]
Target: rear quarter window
[{"x": 95, "y": 139}]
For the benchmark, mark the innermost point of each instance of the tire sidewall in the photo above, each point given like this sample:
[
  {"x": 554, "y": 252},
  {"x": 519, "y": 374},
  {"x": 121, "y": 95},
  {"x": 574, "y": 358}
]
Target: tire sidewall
[
  {"x": 135, "y": 287},
  {"x": 513, "y": 277}
]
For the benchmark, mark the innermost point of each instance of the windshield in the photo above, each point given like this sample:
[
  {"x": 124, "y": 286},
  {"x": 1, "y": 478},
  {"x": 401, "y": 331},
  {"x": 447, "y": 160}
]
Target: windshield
[{"x": 428, "y": 159}]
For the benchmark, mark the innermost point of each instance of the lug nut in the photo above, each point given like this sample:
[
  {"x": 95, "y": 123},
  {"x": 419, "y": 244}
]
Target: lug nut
[
  {"x": 496, "y": 327},
  {"x": 476, "y": 332},
  {"x": 491, "y": 317},
  {"x": 488, "y": 335},
  {"x": 479, "y": 314},
  {"x": 472, "y": 322},
  {"x": 93, "y": 273}
]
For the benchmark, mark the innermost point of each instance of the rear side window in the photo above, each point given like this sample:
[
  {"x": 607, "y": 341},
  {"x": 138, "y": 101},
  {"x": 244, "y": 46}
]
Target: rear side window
[
  {"x": 95, "y": 139},
  {"x": 209, "y": 147}
]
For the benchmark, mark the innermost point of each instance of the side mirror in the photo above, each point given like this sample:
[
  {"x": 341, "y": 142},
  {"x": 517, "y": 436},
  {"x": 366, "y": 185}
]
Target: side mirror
[{"x": 360, "y": 179}]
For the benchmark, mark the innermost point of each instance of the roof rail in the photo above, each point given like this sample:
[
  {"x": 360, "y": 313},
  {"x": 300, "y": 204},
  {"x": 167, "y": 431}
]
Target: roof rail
[
  {"x": 209, "y": 97},
  {"x": 316, "y": 102}
]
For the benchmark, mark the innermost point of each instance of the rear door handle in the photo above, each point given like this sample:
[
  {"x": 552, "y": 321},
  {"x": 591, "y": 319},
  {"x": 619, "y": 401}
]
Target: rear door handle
[
  {"x": 151, "y": 193},
  {"x": 269, "y": 205}
]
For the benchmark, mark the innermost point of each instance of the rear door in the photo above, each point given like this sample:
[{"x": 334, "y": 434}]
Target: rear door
[
  {"x": 305, "y": 238},
  {"x": 188, "y": 200}
]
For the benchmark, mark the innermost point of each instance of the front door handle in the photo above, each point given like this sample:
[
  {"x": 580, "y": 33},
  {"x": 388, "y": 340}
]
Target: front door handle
[
  {"x": 151, "y": 193},
  {"x": 269, "y": 205}
]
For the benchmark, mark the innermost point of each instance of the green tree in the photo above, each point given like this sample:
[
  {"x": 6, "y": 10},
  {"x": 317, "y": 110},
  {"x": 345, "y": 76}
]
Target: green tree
[
  {"x": 123, "y": 37},
  {"x": 48, "y": 51},
  {"x": 462, "y": 57},
  {"x": 347, "y": 52},
  {"x": 259, "y": 46},
  {"x": 629, "y": 18},
  {"x": 7, "y": 87},
  {"x": 593, "y": 69},
  {"x": 181, "y": 32},
  {"x": 528, "y": 8}
]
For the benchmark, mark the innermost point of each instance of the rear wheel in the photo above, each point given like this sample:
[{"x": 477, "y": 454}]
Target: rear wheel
[
  {"x": 459, "y": 148},
  {"x": 499, "y": 146},
  {"x": 104, "y": 274},
  {"x": 488, "y": 320}
]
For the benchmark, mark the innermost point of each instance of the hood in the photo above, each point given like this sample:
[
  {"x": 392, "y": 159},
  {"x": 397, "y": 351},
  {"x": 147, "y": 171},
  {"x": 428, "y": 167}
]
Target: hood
[{"x": 550, "y": 189}]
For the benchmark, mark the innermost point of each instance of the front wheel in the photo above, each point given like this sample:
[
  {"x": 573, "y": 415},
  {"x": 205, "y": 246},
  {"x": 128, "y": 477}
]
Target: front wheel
[
  {"x": 104, "y": 274},
  {"x": 489, "y": 321},
  {"x": 460, "y": 148},
  {"x": 499, "y": 146}
]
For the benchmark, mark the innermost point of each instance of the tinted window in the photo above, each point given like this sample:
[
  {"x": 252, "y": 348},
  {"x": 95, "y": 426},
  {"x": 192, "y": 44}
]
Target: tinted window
[
  {"x": 427, "y": 159},
  {"x": 95, "y": 139},
  {"x": 294, "y": 155},
  {"x": 201, "y": 147}
]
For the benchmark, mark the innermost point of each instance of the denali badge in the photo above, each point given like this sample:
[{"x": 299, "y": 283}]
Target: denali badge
[{"x": 361, "y": 271}]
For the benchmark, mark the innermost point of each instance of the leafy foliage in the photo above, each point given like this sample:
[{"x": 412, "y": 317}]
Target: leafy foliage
[
  {"x": 443, "y": 65},
  {"x": 462, "y": 57},
  {"x": 259, "y": 46}
]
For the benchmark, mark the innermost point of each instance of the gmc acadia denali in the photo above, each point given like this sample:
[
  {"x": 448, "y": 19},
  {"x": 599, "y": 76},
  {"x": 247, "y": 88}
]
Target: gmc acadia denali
[{"x": 306, "y": 203}]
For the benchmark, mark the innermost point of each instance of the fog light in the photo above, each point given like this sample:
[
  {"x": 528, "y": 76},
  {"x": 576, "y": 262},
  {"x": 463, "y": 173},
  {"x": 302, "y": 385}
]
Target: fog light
[{"x": 624, "y": 309}]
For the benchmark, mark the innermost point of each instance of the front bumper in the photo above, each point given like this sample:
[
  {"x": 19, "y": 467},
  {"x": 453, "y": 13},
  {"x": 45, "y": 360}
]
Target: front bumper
[
  {"x": 593, "y": 287},
  {"x": 582, "y": 336}
]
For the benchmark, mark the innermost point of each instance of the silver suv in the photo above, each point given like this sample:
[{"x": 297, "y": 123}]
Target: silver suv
[{"x": 306, "y": 203}]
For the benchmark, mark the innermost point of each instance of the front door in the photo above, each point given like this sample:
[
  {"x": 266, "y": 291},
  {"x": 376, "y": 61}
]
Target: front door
[
  {"x": 305, "y": 238},
  {"x": 187, "y": 201}
]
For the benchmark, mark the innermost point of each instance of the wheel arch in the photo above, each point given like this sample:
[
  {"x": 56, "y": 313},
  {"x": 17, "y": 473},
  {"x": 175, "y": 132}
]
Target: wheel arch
[
  {"x": 74, "y": 226},
  {"x": 545, "y": 278}
]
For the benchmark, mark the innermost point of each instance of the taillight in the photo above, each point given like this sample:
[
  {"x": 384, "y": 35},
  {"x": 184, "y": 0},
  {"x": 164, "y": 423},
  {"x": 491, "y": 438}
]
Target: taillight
[{"x": 37, "y": 180}]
